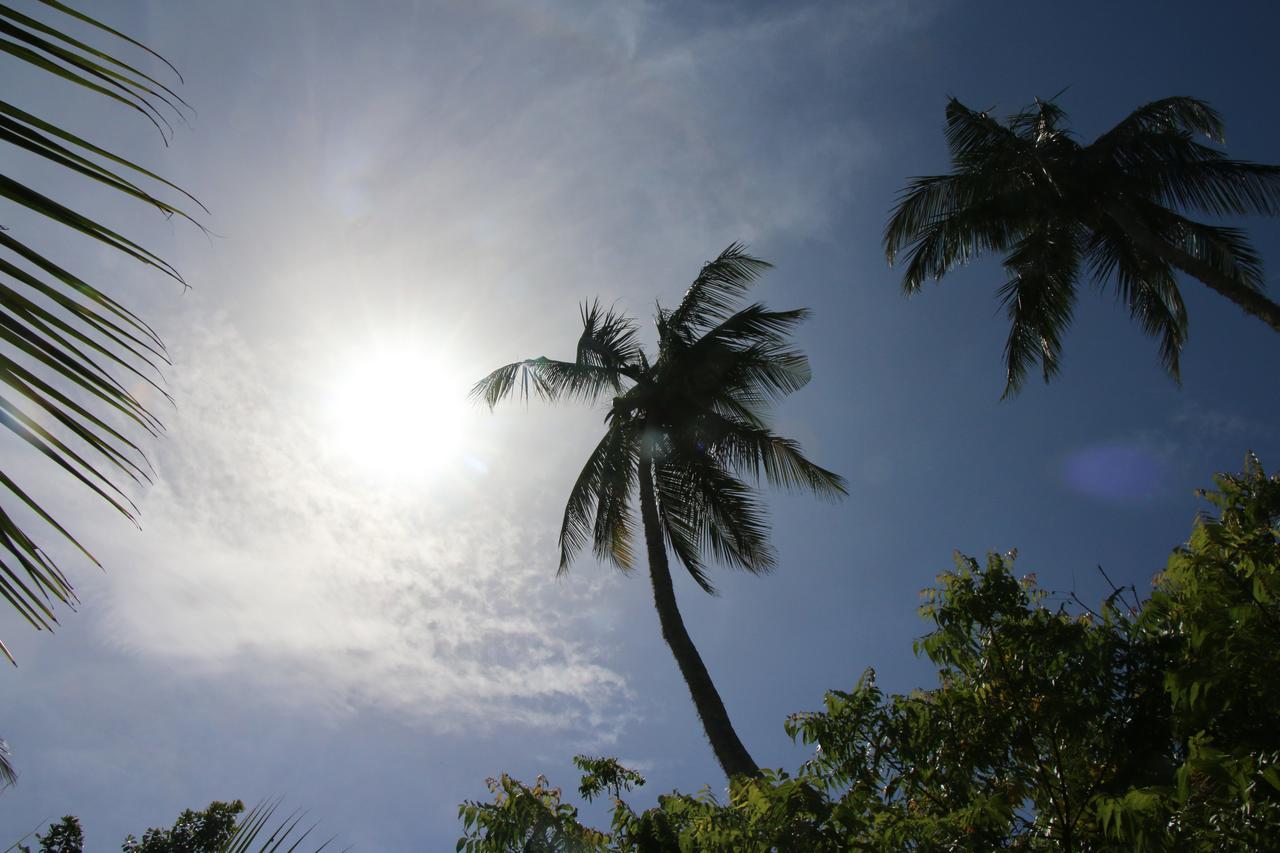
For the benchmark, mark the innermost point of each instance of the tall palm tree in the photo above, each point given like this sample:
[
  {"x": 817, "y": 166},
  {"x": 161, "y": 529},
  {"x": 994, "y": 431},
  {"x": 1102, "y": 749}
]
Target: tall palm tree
[
  {"x": 70, "y": 355},
  {"x": 687, "y": 432},
  {"x": 1026, "y": 188}
]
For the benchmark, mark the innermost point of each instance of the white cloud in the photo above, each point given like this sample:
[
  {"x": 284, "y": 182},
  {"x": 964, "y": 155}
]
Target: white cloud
[
  {"x": 261, "y": 560},
  {"x": 479, "y": 169}
]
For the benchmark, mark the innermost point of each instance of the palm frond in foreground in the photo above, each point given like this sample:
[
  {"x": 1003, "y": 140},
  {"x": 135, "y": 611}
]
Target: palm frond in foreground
[{"x": 75, "y": 365}]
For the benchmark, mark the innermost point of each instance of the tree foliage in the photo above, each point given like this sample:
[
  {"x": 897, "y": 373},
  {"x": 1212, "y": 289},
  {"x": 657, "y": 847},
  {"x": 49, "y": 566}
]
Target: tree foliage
[
  {"x": 65, "y": 836},
  {"x": 219, "y": 828},
  {"x": 1142, "y": 725},
  {"x": 204, "y": 831}
]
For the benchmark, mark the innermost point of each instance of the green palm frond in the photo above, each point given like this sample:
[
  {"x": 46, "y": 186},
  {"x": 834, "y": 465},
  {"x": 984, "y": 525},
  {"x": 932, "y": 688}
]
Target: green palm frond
[
  {"x": 71, "y": 59},
  {"x": 615, "y": 525},
  {"x": 1176, "y": 114},
  {"x": 712, "y": 296},
  {"x": 763, "y": 374},
  {"x": 931, "y": 200},
  {"x": 1162, "y": 161},
  {"x": 1148, "y": 287},
  {"x": 1226, "y": 249},
  {"x": 958, "y": 235},
  {"x": 974, "y": 136},
  {"x": 1219, "y": 186},
  {"x": 680, "y": 529},
  {"x": 608, "y": 353},
  {"x": 755, "y": 451},
  {"x": 724, "y": 512},
  {"x": 597, "y": 509},
  {"x": 1025, "y": 188},
  {"x": 682, "y": 523},
  {"x": 550, "y": 380},
  {"x": 608, "y": 340},
  {"x": 256, "y": 832},
  {"x": 1039, "y": 300},
  {"x": 753, "y": 325},
  {"x": 70, "y": 355}
]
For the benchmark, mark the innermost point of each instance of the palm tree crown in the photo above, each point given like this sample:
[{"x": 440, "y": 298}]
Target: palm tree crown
[
  {"x": 1026, "y": 188},
  {"x": 686, "y": 430}
]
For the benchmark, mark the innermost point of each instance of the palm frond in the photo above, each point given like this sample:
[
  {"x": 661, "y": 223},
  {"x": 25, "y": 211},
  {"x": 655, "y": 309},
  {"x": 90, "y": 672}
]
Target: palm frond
[
  {"x": 1147, "y": 286},
  {"x": 1178, "y": 113},
  {"x": 549, "y": 380},
  {"x": 749, "y": 449},
  {"x": 615, "y": 526},
  {"x": 1039, "y": 300},
  {"x": 609, "y": 340},
  {"x": 1172, "y": 169},
  {"x": 255, "y": 832},
  {"x": 8, "y": 775},
  {"x": 52, "y": 50},
  {"x": 730, "y": 523},
  {"x": 717, "y": 376},
  {"x": 1221, "y": 187},
  {"x": 976, "y": 136},
  {"x": 1226, "y": 250},
  {"x": 942, "y": 221},
  {"x": 765, "y": 374},
  {"x": 964, "y": 234},
  {"x": 713, "y": 294},
  {"x": 21, "y": 129},
  {"x": 86, "y": 50},
  {"x": 680, "y": 527},
  {"x": 752, "y": 326},
  {"x": 597, "y": 508},
  {"x": 83, "y": 18},
  {"x": 38, "y": 203},
  {"x": 1038, "y": 123},
  {"x": 70, "y": 355}
]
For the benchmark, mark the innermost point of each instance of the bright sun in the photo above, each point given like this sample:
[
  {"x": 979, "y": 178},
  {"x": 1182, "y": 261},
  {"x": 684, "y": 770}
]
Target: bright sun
[{"x": 396, "y": 414}]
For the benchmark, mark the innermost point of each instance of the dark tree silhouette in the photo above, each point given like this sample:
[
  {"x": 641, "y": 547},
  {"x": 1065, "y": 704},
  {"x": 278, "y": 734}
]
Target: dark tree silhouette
[
  {"x": 687, "y": 432},
  {"x": 1026, "y": 188}
]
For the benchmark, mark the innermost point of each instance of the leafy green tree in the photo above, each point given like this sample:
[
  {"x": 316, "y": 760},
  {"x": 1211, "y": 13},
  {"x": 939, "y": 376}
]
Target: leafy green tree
[
  {"x": 65, "y": 836},
  {"x": 69, "y": 353},
  {"x": 1028, "y": 189},
  {"x": 687, "y": 431},
  {"x": 1147, "y": 726},
  {"x": 204, "y": 831},
  {"x": 220, "y": 828}
]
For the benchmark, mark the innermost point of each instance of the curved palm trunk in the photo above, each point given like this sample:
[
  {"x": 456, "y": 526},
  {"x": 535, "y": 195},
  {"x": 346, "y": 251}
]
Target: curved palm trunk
[
  {"x": 1251, "y": 301},
  {"x": 730, "y": 752}
]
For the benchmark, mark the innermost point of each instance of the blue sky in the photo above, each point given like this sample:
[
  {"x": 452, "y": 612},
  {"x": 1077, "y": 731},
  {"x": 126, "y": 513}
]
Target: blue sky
[{"x": 442, "y": 184}]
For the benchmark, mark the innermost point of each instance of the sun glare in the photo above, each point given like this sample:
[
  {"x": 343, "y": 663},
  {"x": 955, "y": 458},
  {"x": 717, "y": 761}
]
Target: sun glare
[{"x": 397, "y": 415}]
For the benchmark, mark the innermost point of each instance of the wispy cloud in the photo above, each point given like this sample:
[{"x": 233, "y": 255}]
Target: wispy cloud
[
  {"x": 480, "y": 168},
  {"x": 263, "y": 560}
]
